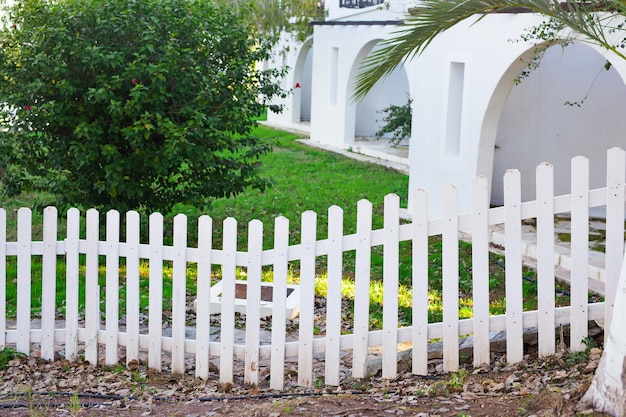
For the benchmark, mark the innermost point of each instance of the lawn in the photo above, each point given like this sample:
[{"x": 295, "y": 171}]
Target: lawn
[{"x": 304, "y": 178}]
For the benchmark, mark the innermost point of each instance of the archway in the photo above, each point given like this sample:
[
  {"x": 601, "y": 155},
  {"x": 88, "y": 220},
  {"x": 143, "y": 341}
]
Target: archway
[
  {"x": 364, "y": 118},
  {"x": 564, "y": 108},
  {"x": 303, "y": 74}
]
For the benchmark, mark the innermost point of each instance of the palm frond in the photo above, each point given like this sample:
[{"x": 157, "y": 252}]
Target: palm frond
[{"x": 433, "y": 17}]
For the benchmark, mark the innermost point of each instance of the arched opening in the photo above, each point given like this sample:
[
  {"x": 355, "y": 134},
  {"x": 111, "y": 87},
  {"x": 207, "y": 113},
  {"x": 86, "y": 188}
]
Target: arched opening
[
  {"x": 570, "y": 105},
  {"x": 303, "y": 75},
  {"x": 366, "y": 115}
]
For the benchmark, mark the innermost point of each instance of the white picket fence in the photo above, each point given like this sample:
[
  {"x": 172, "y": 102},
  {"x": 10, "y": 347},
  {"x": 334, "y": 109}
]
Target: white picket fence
[{"x": 86, "y": 331}]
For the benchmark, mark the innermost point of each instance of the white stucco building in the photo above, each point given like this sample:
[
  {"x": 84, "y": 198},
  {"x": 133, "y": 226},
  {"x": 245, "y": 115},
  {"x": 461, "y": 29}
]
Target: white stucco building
[{"x": 469, "y": 116}]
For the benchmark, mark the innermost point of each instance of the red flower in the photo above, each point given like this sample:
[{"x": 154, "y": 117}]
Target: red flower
[
  {"x": 14, "y": 26},
  {"x": 133, "y": 81},
  {"x": 27, "y": 107},
  {"x": 297, "y": 85}
]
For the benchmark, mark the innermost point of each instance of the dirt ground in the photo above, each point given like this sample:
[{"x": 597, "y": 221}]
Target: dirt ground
[{"x": 536, "y": 387}]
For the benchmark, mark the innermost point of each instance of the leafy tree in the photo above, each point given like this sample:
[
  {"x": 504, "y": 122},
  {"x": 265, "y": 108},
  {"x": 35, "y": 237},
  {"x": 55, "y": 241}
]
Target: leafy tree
[
  {"x": 598, "y": 22},
  {"x": 131, "y": 104},
  {"x": 273, "y": 17}
]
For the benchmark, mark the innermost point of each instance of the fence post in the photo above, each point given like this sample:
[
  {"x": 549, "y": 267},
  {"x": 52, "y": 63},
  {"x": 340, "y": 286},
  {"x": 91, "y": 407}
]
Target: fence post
[
  {"x": 307, "y": 299},
  {"x": 179, "y": 301},
  {"x": 3, "y": 277},
  {"x": 580, "y": 253},
  {"x": 229, "y": 275},
  {"x": 49, "y": 282},
  {"x": 480, "y": 269},
  {"x": 71, "y": 283},
  {"x": 203, "y": 305},
  {"x": 420, "y": 283},
  {"x": 333, "y": 297},
  {"x": 92, "y": 289},
  {"x": 450, "y": 285},
  {"x": 24, "y": 227},
  {"x": 391, "y": 259},
  {"x": 362, "y": 271},
  {"x": 253, "y": 302},
  {"x": 513, "y": 266},
  {"x": 155, "y": 292},
  {"x": 279, "y": 320},
  {"x": 112, "y": 287},
  {"x": 545, "y": 259},
  {"x": 132, "y": 286},
  {"x": 615, "y": 177}
]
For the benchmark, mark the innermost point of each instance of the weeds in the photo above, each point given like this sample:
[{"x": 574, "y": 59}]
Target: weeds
[{"x": 7, "y": 355}]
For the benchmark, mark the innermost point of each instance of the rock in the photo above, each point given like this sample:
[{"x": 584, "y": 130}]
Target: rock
[
  {"x": 497, "y": 387},
  {"x": 510, "y": 380}
]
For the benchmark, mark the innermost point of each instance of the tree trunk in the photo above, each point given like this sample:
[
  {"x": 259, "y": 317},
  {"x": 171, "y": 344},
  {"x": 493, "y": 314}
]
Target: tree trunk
[{"x": 607, "y": 392}]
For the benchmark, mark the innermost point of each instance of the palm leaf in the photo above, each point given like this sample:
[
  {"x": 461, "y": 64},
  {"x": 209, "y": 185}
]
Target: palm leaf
[{"x": 433, "y": 17}]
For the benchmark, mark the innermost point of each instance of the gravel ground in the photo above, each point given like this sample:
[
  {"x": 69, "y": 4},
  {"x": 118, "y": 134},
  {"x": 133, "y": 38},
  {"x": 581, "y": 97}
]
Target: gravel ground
[{"x": 536, "y": 387}]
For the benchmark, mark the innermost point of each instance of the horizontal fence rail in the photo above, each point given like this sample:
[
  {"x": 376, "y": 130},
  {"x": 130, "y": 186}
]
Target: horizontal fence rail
[{"x": 88, "y": 323}]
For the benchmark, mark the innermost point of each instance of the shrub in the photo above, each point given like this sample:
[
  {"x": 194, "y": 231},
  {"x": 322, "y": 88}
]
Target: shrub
[
  {"x": 397, "y": 122},
  {"x": 131, "y": 104}
]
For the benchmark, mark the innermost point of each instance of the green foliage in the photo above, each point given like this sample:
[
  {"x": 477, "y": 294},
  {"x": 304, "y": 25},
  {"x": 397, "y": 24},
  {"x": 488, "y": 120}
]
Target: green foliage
[
  {"x": 7, "y": 355},
  {"x": 397, "y": 121},
  {"x": 131, "y": 104},
  {"x": 273, "y": 18}
]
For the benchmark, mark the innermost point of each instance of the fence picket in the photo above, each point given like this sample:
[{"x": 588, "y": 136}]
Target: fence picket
[
  {"x": 513, "y": 265},
  {"x": 71, "y": 283},
  {"x": 419, "y": 255},
  {"x": 333, "y": 297},
  {"x": 614, "y": 240},
  {"x": 112, "y": 287},
  {"x": 545, "y": 259},
  {"x": 179, "y": 287},
  {"x": 362, "y": 272},
  {"x": 3, "y": 277},
  {"x": 391, "y": 260},
  {"x": 480, "y": 269},
  {"x": 24, "y": 254},
  {"x": 307, "y": 299},
  {"x": 155, "y": 306},
  {"x": 48, "y": 285},
  {"x": 229, "y": 273},
  {"x": 580, "y": 252},
  {"x": 279, "y": 295},
  {"x": 132, "y": 286},
  {"x": 92, "y": 289},
  {"x": 450, "y": 290},
  {"x": 203, "y": 310},
  {"x": 253, "y": 302}
]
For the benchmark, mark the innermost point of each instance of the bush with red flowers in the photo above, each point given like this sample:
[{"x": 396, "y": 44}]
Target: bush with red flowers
[{"x": 125, "y": 104}]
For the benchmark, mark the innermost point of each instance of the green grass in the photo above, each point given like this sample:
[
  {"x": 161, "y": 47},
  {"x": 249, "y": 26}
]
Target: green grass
[{"x": 303, "y": 178}]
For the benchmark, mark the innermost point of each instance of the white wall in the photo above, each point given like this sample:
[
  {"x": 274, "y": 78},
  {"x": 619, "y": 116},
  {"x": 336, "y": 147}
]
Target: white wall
[
  {"x": 491, "y": 64},
  {"x": 338, "y": 52},
  {"x": 538, "y": 126},
  {"x": 392, "y": 90}
]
